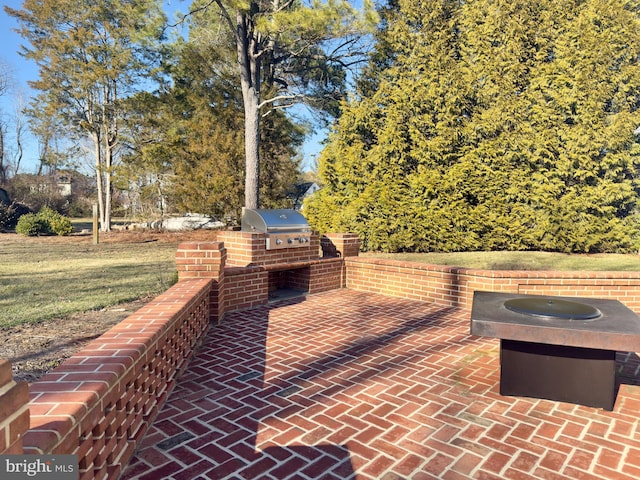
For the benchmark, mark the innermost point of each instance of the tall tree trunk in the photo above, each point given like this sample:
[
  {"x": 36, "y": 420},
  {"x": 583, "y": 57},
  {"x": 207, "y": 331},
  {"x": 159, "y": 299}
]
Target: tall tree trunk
[
  {"x": 250, "y": 81},
  {"x": 99, "y": 178},
  {"x": 43, "y": 153},
  {"x": 19, "y": 131},
  {"x": 106, "y": 227},
  {"x": 2, "y": 166},
  {"x": 20, "y": 149},
  {"x": 252, "y": 149}
]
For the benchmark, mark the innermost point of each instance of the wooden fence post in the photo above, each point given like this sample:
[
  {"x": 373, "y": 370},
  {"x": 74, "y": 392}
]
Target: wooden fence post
[{"x": 96, "y": 238}]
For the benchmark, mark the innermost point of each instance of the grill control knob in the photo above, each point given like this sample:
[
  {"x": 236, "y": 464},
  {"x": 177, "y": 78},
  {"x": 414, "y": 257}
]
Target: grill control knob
[
  {"x": 290, "y": 240},
  {"x": 278, "y": 241}
]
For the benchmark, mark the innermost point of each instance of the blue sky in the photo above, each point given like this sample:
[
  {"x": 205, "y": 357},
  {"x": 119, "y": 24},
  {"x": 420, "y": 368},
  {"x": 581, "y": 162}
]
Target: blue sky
[{"x": 22, "y": 70}]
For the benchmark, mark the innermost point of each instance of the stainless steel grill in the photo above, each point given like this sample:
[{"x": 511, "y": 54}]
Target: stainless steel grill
[{"x": 284, "y": 228}]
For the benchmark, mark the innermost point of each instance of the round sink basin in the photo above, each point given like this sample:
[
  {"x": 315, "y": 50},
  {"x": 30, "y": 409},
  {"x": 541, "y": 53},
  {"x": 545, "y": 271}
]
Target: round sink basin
[{"x": 552, "y": 308}]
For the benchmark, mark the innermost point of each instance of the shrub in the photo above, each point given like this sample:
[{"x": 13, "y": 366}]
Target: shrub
[
  {"x": 58, "y": 224},
  {"x": 32, "y": 225},
  {"x": 46, "y": 222}
]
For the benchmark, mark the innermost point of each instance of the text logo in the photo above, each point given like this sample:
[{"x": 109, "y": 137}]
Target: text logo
[{"x": 49, "y": 467}]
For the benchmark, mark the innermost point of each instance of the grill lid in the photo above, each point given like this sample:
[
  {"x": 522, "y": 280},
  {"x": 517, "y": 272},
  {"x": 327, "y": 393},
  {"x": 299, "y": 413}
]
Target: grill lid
[{"x": 273, "y": 221}]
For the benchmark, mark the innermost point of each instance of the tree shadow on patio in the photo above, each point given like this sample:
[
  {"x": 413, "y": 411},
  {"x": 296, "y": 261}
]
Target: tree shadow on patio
[{"x": 291, "y": 390}]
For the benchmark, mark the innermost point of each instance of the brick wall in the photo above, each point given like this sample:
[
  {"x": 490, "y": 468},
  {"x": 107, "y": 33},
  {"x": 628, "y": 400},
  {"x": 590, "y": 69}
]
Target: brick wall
[
  {"x": 327, "y": 274},
  {"x": 249, "y": 287},
  {"x": 99, "y": 403},
  {"x": 340, "y": 245},
  {"x": 205, "y": 260},
  {"x": 251, "y": 272},
  {"x": 245, "y": 288},
  {"x": 14, "y": 411},
  {"x": 451, "y": 286},
  {"x": 248, "y": 249}
]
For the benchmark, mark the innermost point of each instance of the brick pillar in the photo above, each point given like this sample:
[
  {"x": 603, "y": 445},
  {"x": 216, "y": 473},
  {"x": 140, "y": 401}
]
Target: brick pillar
[
  {"x": 205, "y": 260},
  {"x": 14, "y": 411},
  {"x": 340, "y": 245}
]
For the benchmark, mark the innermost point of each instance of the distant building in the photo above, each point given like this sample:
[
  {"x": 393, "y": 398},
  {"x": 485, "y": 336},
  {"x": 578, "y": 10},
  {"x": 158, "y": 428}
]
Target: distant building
[
  {"x": 302, "y": 191},
  {"x": 64, "y": 185},
  {"x": 61, "y": 181}
]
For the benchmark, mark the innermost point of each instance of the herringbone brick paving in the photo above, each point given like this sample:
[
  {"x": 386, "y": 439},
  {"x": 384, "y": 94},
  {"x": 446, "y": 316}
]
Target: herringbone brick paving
[{"x": 349, "y": 385}]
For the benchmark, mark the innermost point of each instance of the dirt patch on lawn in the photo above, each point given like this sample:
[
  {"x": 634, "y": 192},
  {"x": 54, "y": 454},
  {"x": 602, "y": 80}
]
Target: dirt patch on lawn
[{"x": 35, "y": 349}]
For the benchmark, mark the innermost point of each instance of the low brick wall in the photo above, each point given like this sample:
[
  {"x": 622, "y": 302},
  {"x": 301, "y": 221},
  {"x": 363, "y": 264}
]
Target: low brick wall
[
  {"x": 99, "y": 403},
  {"x": 204, "y": 260},
  {"x": 340, "y": 245},
  {"x": 454, "y": 287},
  {"x": 327, "y": 274},
  {"x": 14, "y": 411}
]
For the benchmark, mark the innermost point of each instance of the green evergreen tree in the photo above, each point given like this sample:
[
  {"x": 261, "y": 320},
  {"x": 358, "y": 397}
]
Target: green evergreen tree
[
  {"x": 286, "y": 52},
  {"x": 491, "y": 125},
  {"x": 90, "y": 55},
  {"x": 187, "y": 142}
]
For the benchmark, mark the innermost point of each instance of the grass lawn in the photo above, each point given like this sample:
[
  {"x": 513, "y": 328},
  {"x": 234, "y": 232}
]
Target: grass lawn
[
  {"x": 52, "y": 277},
  {"x": 49, "y": 278},
  {"x": 521, "y": 260}
]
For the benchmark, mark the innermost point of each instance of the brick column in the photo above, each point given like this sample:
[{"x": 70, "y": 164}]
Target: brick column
[
  {"x": 205, "y": 260},
  {"x": 340, "y": 245},
  {"x": 14, "y": 411}
]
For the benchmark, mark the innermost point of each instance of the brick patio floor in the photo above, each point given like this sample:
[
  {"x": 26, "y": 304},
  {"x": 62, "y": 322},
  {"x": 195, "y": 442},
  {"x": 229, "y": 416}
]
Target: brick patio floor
[{"x": 353, "y": 386}]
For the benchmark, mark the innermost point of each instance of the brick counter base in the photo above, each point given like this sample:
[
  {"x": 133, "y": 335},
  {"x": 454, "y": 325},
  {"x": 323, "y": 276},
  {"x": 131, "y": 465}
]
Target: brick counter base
[{"x": 99, "y": 403}]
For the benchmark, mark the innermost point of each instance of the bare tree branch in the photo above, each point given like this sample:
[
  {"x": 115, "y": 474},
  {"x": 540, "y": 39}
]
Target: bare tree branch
[{"x": 280, "y": 97}]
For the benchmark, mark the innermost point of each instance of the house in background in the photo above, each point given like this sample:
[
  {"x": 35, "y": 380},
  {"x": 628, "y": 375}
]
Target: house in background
[
  {"x": 64, "y": 185},
  {"x": 302, "y": 191},
  {"x": 61, "y": 182}
]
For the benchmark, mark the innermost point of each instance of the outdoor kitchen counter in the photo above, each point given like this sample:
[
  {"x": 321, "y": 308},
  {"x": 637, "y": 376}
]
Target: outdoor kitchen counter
[{"x": 277, "y": 267}]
